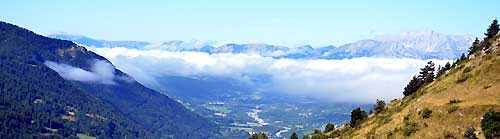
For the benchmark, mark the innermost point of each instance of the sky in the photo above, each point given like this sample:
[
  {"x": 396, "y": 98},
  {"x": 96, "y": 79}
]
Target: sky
[{"x": 281, "y": 22}]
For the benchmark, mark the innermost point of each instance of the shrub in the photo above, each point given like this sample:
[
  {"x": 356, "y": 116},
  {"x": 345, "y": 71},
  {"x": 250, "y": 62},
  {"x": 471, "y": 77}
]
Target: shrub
[
  {"x": 409, "y": 128},
  {"x": 467, "y": 69},
  {"x": 319, "y": 136},
  {"x": 379, "y": 106},
  {"x": 259, "y": 135},
  {"x": 317, "y": 131},
  {"x": 469, "y": 133},
  {"x": 329, "y": 127},
  {"x": 389, "y": 134},
  {"x": 452, "y": 109},
  {"x": 455, "y": 101},
  {"x": 448, "y": 135},
  {"x": 463, "y": 77},
  {"x": 406, "y": 118},
  {"x": 426, "y": 113},
  {"x": 491, "y": 124},
  {"x": 371, "y": 133}
]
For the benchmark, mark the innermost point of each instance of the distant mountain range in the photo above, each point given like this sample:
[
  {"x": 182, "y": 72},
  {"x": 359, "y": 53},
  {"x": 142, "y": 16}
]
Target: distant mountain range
[{"x": 424, "y": 44}]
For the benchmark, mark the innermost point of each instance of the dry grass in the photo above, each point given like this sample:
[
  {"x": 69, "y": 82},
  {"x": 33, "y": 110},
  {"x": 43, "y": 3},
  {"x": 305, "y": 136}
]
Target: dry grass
[{"x": 478, "y": 93}]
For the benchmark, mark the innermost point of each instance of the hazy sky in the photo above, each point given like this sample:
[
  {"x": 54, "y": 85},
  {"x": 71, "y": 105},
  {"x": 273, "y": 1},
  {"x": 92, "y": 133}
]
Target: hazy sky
[{"x": 279, "y": 22}]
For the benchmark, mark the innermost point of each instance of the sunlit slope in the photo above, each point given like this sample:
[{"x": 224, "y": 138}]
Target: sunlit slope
[{"x": 458, "y": 100}]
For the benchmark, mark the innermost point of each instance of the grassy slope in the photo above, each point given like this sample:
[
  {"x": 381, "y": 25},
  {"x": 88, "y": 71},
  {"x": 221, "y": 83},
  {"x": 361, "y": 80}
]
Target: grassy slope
[{"x": 480, "y": 92}]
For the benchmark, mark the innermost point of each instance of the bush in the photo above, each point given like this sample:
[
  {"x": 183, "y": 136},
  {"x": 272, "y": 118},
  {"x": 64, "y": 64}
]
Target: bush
[
  {"x": 426, "y": 113},
  {"x": 463, "y": 77},
  {"x": 469, "y": 133},
  {"x": 455, "y": 101},
  {"x": 406, "y": 118},
  {"x": 329, "y": 127},
  {"x": 491, "y": 124},
  {"x": 317, "y": 131},
  {"x": 452, "y": 109},
  {"x": 409, "y": 128},
  {"x": 259, "y": 135},
  {"x": 319, "y": 136},
  {"x": 467, "y": 69},
  {"x": 379, "y": 106},
  {"x": 448, "y": 135}
]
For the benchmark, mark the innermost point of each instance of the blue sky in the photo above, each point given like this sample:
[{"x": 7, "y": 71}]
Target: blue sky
[{"x": 282, "y": 22}]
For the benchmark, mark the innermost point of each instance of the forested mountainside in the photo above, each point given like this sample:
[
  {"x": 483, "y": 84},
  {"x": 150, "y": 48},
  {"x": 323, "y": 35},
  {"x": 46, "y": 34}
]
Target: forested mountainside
[
  {"x": 458, "y": 100},
  {"x": 37, "y": 102}
]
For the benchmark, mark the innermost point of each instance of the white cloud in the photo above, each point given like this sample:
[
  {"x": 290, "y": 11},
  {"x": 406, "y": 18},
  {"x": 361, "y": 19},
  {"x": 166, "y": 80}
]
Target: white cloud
[
  {"x": 101, "y": 72},
  {"x": 358, "y": 79}
]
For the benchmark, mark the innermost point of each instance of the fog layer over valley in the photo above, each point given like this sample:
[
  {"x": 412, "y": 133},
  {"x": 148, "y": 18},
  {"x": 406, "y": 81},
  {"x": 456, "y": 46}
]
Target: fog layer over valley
[
  {"x": 359, "y": 79},
  {"x": 248, "y": 88}
]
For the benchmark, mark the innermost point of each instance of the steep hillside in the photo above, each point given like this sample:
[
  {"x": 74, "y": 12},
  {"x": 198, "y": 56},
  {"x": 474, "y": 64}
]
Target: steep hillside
[
  {"x": 444, "y": 108},
  {"x": 37, "y": 100}
]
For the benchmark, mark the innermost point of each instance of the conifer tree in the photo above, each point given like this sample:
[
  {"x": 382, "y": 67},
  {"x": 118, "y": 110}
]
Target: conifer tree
[
  {"x": 294, "y": 136},
  {"x": 447, "y": 66},
  {"x": 475, "y": 47},
  {"x": 412, "y": 86},
  {"x": 379, "y": 106},
  {"x": 492, "y": 30},
  {"x": 440, "y": 72},
  {"x": 357, "y": 116},
  {"x": 427, "y": 73},
  {"x": 463, "y": 57},
  {"x": 490, "y": 33}
]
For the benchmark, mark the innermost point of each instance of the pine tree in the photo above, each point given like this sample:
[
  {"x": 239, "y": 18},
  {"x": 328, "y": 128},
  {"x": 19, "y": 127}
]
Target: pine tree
[
  {"x": 357, "y": 116},
  {"x": 493, "y": 29},
  {"x": 475, "y": 47},
  {"x": 490, "y": 33},
  {"x": 447, "y": 66},
  {"x": 412, "y": 86},
  {"x": 294, "y": 136},
  {"x": 463, "y": 57},
  {"x": 440, "y": 71},
  {"x": 427, "y": 73},
  {"x": 379, "y": 106},
  {"x": 455, "y": 63}
]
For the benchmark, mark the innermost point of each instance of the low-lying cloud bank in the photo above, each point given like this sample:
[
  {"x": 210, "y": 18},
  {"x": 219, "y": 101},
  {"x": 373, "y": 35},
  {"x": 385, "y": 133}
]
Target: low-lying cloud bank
[
  {"x": 358, "y": 79},
  {"x": 101, "y": 72}
]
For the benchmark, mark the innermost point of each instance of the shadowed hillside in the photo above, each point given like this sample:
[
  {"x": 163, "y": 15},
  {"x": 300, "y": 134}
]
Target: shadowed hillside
[{"x": 36, "y": 101}]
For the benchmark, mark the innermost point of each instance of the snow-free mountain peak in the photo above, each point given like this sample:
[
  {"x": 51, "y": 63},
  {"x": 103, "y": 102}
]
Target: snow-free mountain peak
[{"x": 420, "y": 44}]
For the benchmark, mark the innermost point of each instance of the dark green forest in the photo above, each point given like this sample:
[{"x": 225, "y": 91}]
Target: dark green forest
[{"x": 35, "y": 102}]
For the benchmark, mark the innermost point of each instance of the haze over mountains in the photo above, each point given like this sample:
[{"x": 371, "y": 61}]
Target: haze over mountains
[
  {"x": 321, "y": 71},
  {"x": 422, "y": 44}
]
